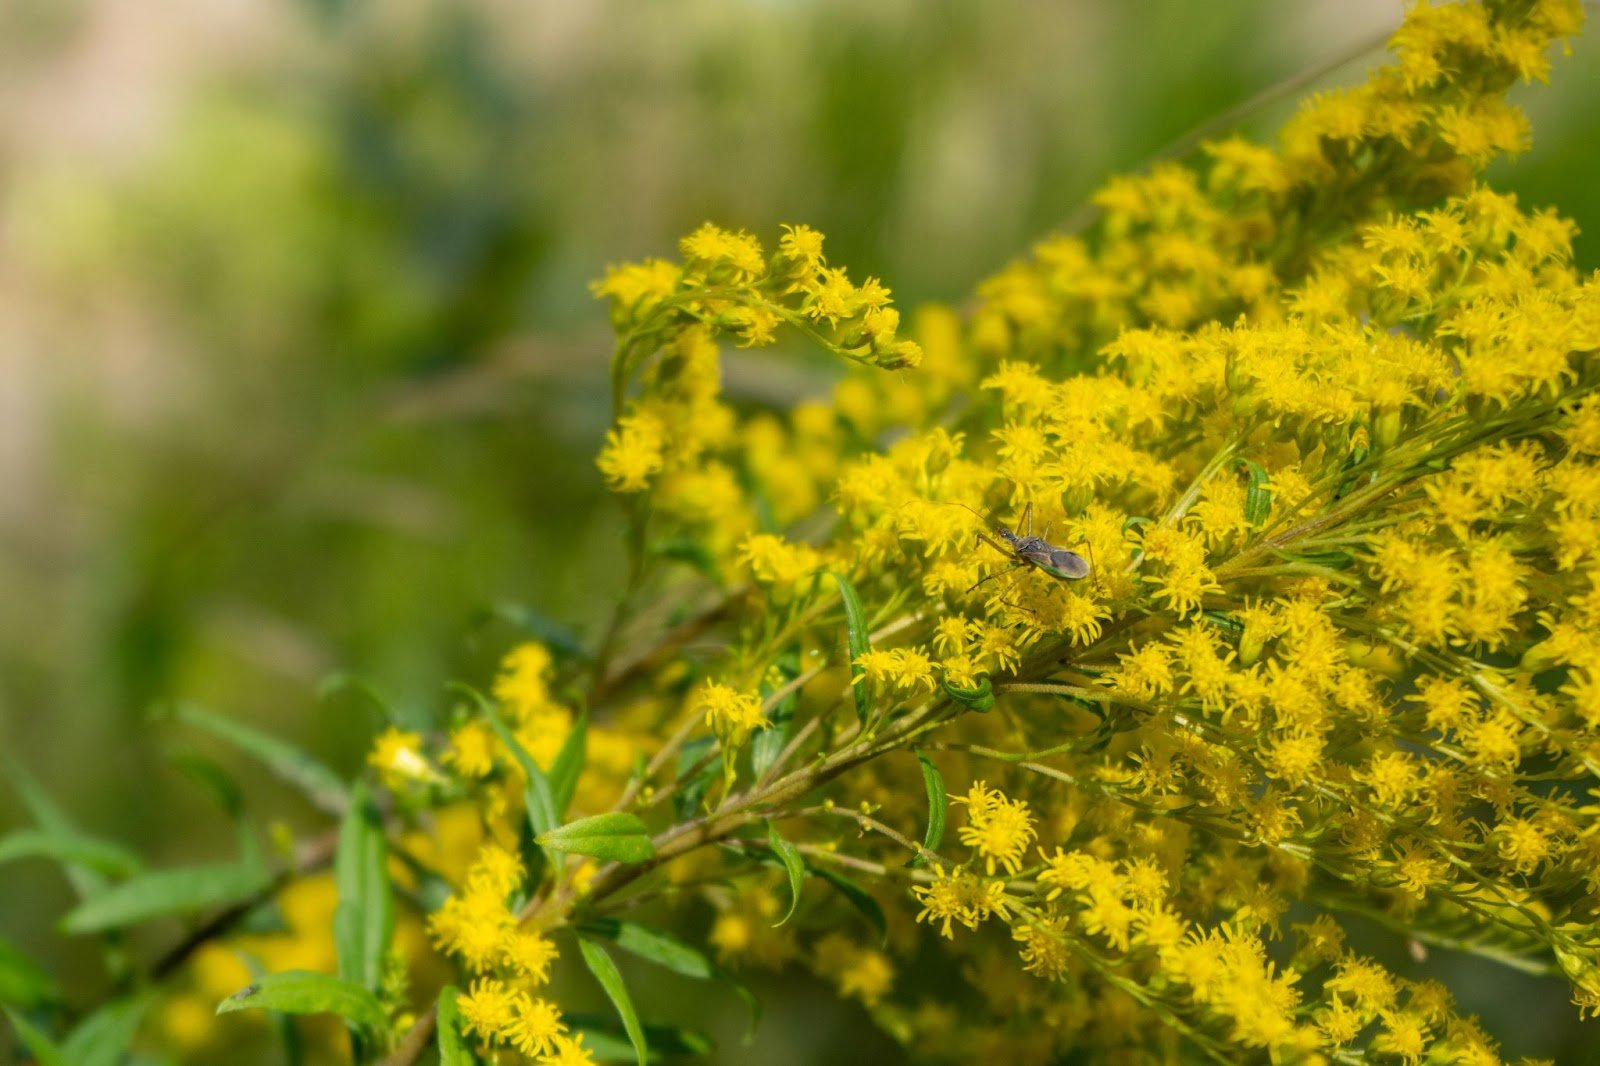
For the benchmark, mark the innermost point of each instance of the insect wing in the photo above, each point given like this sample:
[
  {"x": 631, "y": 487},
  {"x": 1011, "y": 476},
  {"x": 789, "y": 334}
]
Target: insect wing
[
  {"x": 1068, "y": 564},
  {"x": 1057, "y": 562}
]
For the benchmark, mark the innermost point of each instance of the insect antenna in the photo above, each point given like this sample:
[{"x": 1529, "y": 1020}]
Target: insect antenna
[{"x": 985, "y": 519}]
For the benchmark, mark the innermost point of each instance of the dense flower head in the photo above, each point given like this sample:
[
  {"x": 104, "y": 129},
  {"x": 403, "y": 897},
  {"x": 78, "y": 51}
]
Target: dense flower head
[
  {"x": 1316, "y": 419},
  {"x": 1231, "y": 568}
]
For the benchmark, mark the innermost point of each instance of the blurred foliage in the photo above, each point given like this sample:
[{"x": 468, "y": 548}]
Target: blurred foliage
[{"x": 300, "y": 372}]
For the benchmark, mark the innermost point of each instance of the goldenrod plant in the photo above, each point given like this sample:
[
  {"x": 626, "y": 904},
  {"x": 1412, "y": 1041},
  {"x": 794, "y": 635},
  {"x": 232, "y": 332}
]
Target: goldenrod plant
[{"x": 1317, "y": 422}]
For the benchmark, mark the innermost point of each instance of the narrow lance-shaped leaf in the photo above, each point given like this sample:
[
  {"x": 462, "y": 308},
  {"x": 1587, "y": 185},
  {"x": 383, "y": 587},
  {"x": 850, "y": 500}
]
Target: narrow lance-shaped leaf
[
  {"x": 23, "y": 982},
  {"x": 318, "y": 783},
  {"x": 615, "y": 836},
  {"x": 859, "y": 898},
  {"x": 608, "y": 1042},
  {"x": 86, "y": 881},
  {"x": 564, "y": 772},
  {"x": 768, "y": 743},
  {"x": 1257, "y": 495},
  {"x": 283, "y": 1025},
  {"x": 692, "y": 788},
  {"x": 340, "y": 684},
  {"x": 653, "y": 945},
  {"x": 216, "y": 781},
  {"x": 540, "y": 800},
  {"x": 363, "y": 921},
  {"x": 789, "y": 855},
  {"x": 302, "y": 992},
  {"x": 37, "y": 1041},
  {"x": 856, "y": 622},
  {"x": 167, "y": 892},
  {"x": 453, "y": 1050},
  {"x": 69, "y": 848},
  {"x": 605, "y": 971},
  {"x": 103, "y": 1037},
  {"x": 553, "y": 635},
  {"x": 938, "y": 804}
]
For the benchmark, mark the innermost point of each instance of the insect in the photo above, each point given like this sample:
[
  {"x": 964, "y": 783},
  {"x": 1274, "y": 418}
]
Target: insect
[{"x": 1030, "y": 550}]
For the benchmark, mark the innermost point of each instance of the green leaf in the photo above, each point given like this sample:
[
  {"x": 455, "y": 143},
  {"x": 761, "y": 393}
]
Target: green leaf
[
  {"x": 652, "y": 944},
  {"x": 540, "y": 800},
  {"x": 615, "y": 836},
  {"x": 303, "y": 992},
  {"x": 286, "y": 762},
  {"x": 363, "y": 921},
  {"x": 694, "y": 789},
  {"x": 101, "y": 1038},
  {"x": 70, "y": 848},
  {"x": 859, "y": 897},
  {"x": 546, "y": 631},
  {"x": 38, "y": 1043},
  {"x": 605, "y": 971},
  {"x": 85, "y": 880},
  {"x": 980, "y": 699},
  {"x": 789, "y": 855},
  {"x": 23, "y": 982},
  {"x": 938, "y": 804},
  {"x": 453, "y": 1050},
  {"x": 564, "y": 772},
  {"x": 167, "y": 892},
  {"x": 685, "y": 550},
  {"x": 607, "y": 1043},
  {"x": 1257, "y": 494},
  {"x": 856, "y": 621},
  {"x": 768, "y": 743},
  {"x": 340, "y": 684},
  {"x": 283, "y": 1025},
  {"x": 210, "y": 775}
]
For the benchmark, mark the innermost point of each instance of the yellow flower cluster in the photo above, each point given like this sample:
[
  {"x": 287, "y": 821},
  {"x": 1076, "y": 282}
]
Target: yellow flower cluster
[
  {"x": 668, "y": 318},
  {"x": 729, "y": 713},
  {"x": 1243, "y": 551},
  {"x": 999, "y": 829},
  {"x": 478, "y": 926},
  {"x": 1318, "y": 419}
]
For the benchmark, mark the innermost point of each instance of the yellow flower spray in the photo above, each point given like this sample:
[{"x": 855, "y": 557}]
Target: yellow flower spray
[
  {"x": 1318, "y": 419},
  {"x": 1321, "y": 420}
]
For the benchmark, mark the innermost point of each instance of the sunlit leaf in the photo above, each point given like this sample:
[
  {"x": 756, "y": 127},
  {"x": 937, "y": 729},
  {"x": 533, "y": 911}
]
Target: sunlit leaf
[
  {"x": 605, "y": 971},
  {"x": 103, "y": 1037},
  {"x": 856, "y": 622},
  {"x": 161, "y": 893},
  {"x": 453, "y": 1050},
  {"x": 23, "y": 982},
  {"x": 540, "y": 800},
  {"x": 363, "y": 921},
  {"x": 568, "y": 766},
  {"x": 37, "y": 1041},
  {"x": 938, "y": 803},
  {"x": 302, "y": 992},
  {"x": 793, "y": 864},
  {"x": 616, "y": 836},
  {"x": 71, "y": 848},
  {"x": 288, "y": 763},
  {"x": 859, "y": 898}
]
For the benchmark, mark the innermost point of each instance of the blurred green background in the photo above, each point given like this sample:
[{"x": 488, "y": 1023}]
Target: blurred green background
[{"x": 298, "y": 369}]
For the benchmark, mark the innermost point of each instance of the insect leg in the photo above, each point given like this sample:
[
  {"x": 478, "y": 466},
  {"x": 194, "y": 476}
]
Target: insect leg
[
  {"x": 998, "y": 573},
  {"x": 1027, "y": 520},
  {"x": 996, "y": 545}
]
